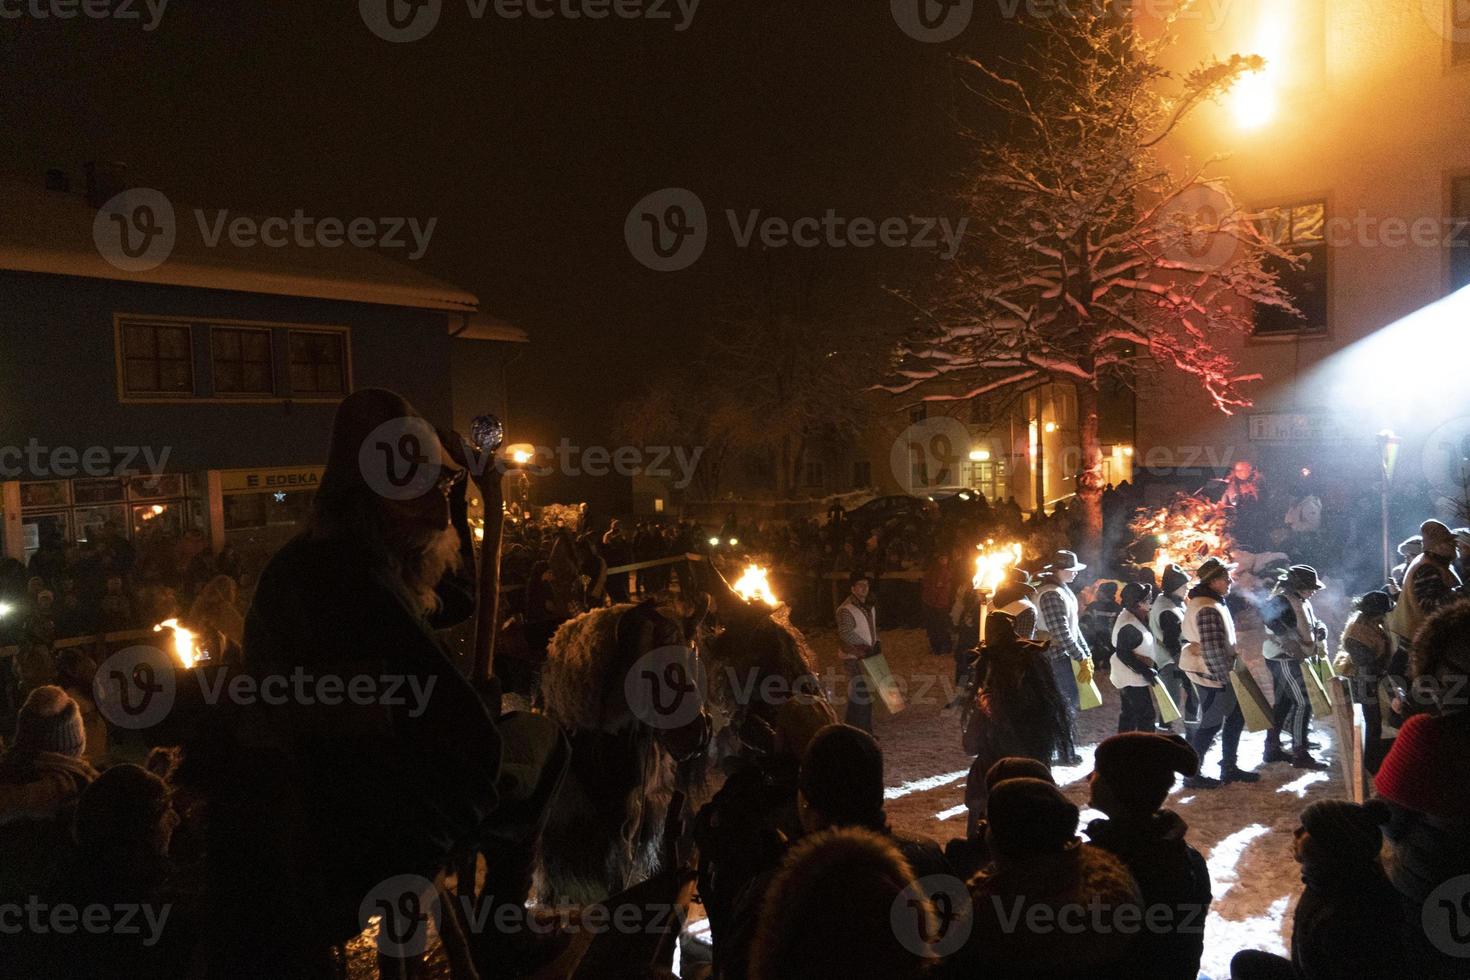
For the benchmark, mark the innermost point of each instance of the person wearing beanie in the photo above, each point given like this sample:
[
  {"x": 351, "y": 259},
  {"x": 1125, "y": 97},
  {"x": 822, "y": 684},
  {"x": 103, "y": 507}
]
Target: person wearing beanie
[
  {"x": 841, "y": 785},
  {"x": 1134, "y": 668},
  {"x": 43, "y": 772},
  {"x": 1348, "y": 922},
  {"x": 970, "y": 854},
  {"x": 857, "y": 640},
  {"x": 1363, "y": 656},
  {"x": 1425, "y": 778},
  {"x": 1294, "y": 634},
  {"x": 1097, "y": 623},
  {"x": 829, "y": 912},
  {"x": 1208, "y": 656},
  {"x": 1430, "y": 583},
  {"x": 1038, "y": 861},
  {"x": 1165, "y": 622},
  {"x": 1133, "y": 775}
]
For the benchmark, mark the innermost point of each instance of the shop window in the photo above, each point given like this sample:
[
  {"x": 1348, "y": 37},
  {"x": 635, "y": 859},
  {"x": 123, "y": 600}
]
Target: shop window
[
  {"x": 43, "y": 493},
  {"x": 100, "y": 491},
  {"x": 813, "y": 474},
  {"x": 1460, "y": 232},
  {"x": 862, "y": 474},
  {"x": 318, "y": 363},
  {"x": 1299, "y": 229},
  {"x": 87, "y": 519},
  {"x": 157, "y": 359},
  {"x": 155, "y": 487},
  {"x": 241, "y": 360},
  {"x": 36, "y": 528}
]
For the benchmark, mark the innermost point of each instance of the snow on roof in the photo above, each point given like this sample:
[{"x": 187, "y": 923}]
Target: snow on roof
[
  {"x": 51, "y": 232},
  {"x": 485, "y": 326}
]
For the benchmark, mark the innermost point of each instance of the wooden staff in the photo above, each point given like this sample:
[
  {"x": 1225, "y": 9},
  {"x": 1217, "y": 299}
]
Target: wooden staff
[{"x": 487, "y": 583}]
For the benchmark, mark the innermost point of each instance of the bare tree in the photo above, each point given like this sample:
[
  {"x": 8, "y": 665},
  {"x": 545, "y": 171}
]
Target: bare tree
[{"x": 1090, "y": 258}]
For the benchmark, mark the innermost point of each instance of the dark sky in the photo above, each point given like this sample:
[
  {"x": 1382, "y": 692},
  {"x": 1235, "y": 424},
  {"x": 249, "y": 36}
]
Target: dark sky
[{"x": 528, "y": 140}]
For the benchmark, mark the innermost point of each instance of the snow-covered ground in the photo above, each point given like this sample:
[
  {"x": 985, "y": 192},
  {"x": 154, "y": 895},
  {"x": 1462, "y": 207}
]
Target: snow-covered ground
[{"x": 1244, "y": 832}]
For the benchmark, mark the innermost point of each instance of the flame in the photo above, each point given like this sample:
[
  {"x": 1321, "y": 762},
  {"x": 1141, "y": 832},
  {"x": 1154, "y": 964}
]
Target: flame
[
  {"x": 754, "y": 585},
  {"x": 992, "y": 564},
  {"x": 1186, "y": 531},
  {"x": 185, "y": 648}
]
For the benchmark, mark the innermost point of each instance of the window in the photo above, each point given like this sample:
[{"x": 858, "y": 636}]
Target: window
[
  {"x": 318, "y": 363},
  {"x": 1301, "y": 230},
  {"x": 813, "y": 474},
  {"x": 862, "y": 475},
  {"x": 157, "y": 359},
  {"x": 1460, "y": 233},
  {"x": 241, "y": 357}
]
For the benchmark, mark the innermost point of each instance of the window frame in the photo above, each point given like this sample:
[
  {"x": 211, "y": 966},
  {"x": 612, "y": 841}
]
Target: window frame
[
  {"x": 122, "y": 324},
  {"x": 270, "y": 361},
  {"x": 1306, "y": 331},
  {"x": 346, "y": 363},
  {"x": 283, "y": 394}
]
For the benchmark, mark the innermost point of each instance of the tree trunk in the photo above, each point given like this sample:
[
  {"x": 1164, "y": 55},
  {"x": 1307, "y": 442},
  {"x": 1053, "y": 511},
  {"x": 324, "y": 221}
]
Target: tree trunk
[{"x": 1090, "y": 477}]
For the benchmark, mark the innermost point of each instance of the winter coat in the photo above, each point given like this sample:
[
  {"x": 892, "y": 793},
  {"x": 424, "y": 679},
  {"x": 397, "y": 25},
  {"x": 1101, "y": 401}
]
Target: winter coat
[
  {"x": 1169, "y": 873},
  {"x": 1348, "y": 925},
  {"x": 1166, "y": 621},
  {"x": 41, "y": 785},
  {"x": 1412, "y": 609},
  {"x": 1369, "y": 647},
  {"x": 1292, "y": 628},
  {"x": 1065, "y": 886}
]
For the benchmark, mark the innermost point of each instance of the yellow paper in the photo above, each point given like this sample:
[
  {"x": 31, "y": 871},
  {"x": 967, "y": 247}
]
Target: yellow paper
[
  {"x": 880, "y": 679},
  {"x": 1316, "y": 693},
  {"x": 1168, "y": 710},
  {"x": 1087, "y": 692},
  {"x": 1253, "y": 703}
]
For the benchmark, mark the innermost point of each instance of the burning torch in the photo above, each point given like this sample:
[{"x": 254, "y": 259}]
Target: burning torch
[{"x": 991, "y": 566}]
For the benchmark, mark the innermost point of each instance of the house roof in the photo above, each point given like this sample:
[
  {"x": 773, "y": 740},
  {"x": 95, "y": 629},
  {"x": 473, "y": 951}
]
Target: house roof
[{"x": 52, "y": 232}]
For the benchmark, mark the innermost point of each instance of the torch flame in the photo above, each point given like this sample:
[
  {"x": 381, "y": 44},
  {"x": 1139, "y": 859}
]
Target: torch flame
[
  {"x": 992, "y": 564},
  {"x": 185, "y": 648},
  {"x": 755, "y": 585}
]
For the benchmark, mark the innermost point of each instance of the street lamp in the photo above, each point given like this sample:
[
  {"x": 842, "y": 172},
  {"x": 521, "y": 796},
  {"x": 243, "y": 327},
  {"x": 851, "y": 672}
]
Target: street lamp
[{"x": 1388, "y": 456}]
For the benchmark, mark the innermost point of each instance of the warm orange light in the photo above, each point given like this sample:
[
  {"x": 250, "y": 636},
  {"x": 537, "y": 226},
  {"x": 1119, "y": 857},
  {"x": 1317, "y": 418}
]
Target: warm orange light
[
  {"x": 992, "y": 564},
  {"x": 185, "y": 648},
  {"x": 754, "y": 585}
]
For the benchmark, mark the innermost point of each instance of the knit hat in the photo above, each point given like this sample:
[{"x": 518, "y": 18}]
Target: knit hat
[
  {"x": 1017, "y": 767},
  {"x": 1213, "y": 568},
  {"x": 50, "y": 721},
  {"x": 1139, "y": 767},
  {"x": 1030, "y": 817},
  {"x": 123, "y": 805},
  {"x": 1107, "y": 590},
  {"x": 1374, "y": 604},
  {"x": 1134, "y": 593},
  {"x": 1438, "y": 540},
  {"x": 842, "y": 776},
  {"x": 1346, "y": 830},
  {"x": 1174, "y": 577}
]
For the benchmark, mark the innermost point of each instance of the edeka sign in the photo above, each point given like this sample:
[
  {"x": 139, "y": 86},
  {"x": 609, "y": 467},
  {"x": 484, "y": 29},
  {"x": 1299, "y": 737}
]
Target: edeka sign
[{"x": 267, "y": 481}]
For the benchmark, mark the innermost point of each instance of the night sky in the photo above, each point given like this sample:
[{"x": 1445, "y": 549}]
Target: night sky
[{"x": 528, "y": 140}]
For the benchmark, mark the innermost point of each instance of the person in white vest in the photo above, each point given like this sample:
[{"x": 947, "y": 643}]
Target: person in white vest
[
  {"x": 1166, "y": 622},
  {"x": 1207, "y": 658},
  {"x": 1016, "y": 597},
  {"x": 1430, "y": 583},
  {"x": 1134, "y": 669},
  {"x": 1294, "y": 634},
  {"x": 857, "y": 639},
  {"x": 1058, "y": 606}
]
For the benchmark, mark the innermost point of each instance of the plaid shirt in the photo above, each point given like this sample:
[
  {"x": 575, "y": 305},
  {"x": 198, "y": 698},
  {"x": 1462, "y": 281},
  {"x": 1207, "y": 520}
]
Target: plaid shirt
[
  {"x": 1214, "y": 644},
  {"x": 1064, "y": 638},
  {"x": 1430, "y": 588}
]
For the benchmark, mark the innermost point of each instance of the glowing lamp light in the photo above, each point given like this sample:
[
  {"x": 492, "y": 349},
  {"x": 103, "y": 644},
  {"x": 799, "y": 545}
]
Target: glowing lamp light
[
  {"x": 979, "y": 455},
  {"x": 521, "y": 453},
  {"x": 1127, "y": 450},
  {"x": 1050, "y": 427},
  {"x": 714, "y": 542},
  {"x": 185, "y": 648},
  {"x": 754, "y": 585},
  {"x": 1388, "y": 445},
  {"x": 6, "y": 609},
  {"x": 734, "y": 542}
]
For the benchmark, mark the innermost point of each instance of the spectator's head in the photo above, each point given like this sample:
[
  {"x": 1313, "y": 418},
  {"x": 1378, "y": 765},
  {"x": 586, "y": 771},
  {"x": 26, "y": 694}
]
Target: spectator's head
[
  {"x": 50, "y": 721},
  {"x": 74, "y": 670},
  {"x": 1218, "y": 576},
  {"x": 1064, "y": 567},
  {"x": 1175, "y": 582},
  {"x": 1303, "y": 580},
  {"x": 829, "y": 912},
  {"x": 1411, "y": 548},
  {"x": 841, "y": 781},
  {"x": 1136, "y": 598},
  {"x": 1243, "y": 470},
  {"x": 1029, "y": 818},
  {"x": 1134, "y": 771},
  {"x": 861, "y": 584},
  {"x": 1107, "y": 591},
  {"x": 1442, "y": 648},
  {"x": 1439, "y": 541},
  {"x": 126, "y": 808},
  {"x": 1341, "y": 834},
  {"x": 1374, "y": 605},
  {"x": 1017, "y": 767}
]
